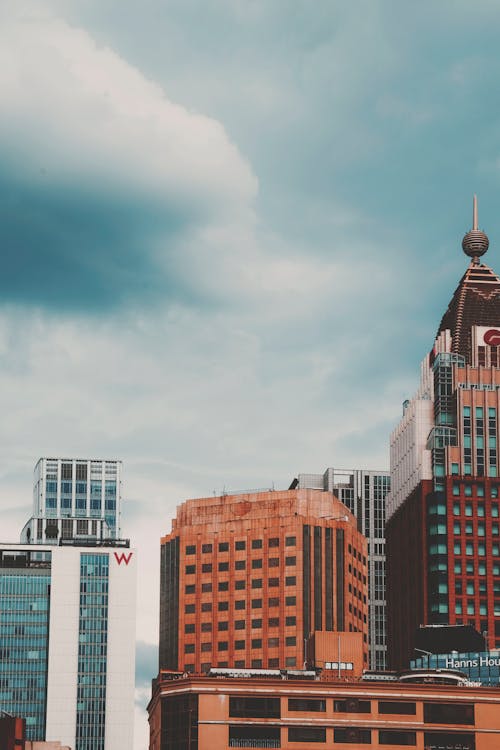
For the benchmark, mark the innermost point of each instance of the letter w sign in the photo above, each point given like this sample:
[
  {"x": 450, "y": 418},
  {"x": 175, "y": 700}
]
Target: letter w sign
[{"x": 122, "y": 557}]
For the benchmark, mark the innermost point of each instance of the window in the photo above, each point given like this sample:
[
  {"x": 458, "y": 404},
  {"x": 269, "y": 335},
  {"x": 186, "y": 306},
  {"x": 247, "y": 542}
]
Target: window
[
  {"x": 190, "y": 569},
  {"x": 273, "y": 602},
  {"x": 256, "y": 603},
  {"x": 224, "y": 547},
  {"x": 206, "y": 627},
  {"x": 449, "y": 713},
  {"x": 189, "y": 648},
  {"x": 290, "y": 601},
  {"x": 240, "y": 564},
  {"x": 190, "y": 589},
  {"x": 273, "y": 642},
  {"x": 257, "y": 583},
  {"x": 256, "y": 564},
  {"x": 223, "y": 606},
  {"x": 408, "y": 708},
  {"x": 290, "y": 581},
  {"x": 222, "y": 646},
  {"x": 352, "y": 706},
  {"x": 254, "y": 708},
  {"x": 306, "y": 734},
  {"x": 274, "y": 562},
  {"x": 290, "y": 661},
  {"x": 274, "y": 542},
  {"x": 256, "y": 543},
  {"x": 290, "y": 541},
  {"x": 352, "y": 735},
  {"x": 274, "y": 622},
  {"x": 240, "y": 604},
  {"x": 257, "y": 623},
  {"x": 206, "y": 607},
  {"x": 239, "y": 645},
  {"x": 240, "y": 545},
  {"x": 206, "y": 588},
  {"x": 223, "y": 586},
  {"x": 290, "y": 640},
  {"x": 223, "y": 566},
  {"x": 256, "y": 642},
  {"x": 397, "y": 737},
  {"x": 223, "y": 625},
  {"x": 238, "y": 585},
  {"x": 461, "y": 740},
  {"x": 291, "y": 620},
  {"x": 273, "y": 583},
  {"x": 306, "y": 704},
  {"x": 254, "y": 735},
  {"x": 189, "y": 628},
  {"x": 290, "y": 560},
  {"x": 191, "y": 549},
  {"x": 239, "y": 624},
  {"x": 189, "y": 609},
  {"x": 206, "y": 547},
  {"x": 206, "y": 568}
]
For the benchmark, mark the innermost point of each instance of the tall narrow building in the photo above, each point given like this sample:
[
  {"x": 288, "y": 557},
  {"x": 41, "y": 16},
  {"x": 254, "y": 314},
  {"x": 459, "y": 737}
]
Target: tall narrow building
[
  {"x": 443, "y": 526},
  {"x": 364, "y": 493}
]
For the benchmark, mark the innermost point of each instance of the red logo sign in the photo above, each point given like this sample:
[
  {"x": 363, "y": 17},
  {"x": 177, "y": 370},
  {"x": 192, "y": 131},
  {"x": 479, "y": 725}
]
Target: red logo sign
[
  {"x": 492, "y": 337},
  {"x": 122, "y": 557}
]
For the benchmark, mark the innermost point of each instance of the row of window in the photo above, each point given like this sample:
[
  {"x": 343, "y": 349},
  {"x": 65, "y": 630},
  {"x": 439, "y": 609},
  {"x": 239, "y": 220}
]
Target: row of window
[
  {"x": 239, "y": 645},
  {"x": 270, "y": 737},
  {"x": 273, "y": 663},
  {"x": 290, "y": 601},
  {"x": 256, "y": 583},
  {"x": 290, "y": 541},
  {"x": 256, "y": 624},
  {"x": 270, "y": 708},
  {"x": 469, "y": 548},
  {"x": 273, "y": 562}
]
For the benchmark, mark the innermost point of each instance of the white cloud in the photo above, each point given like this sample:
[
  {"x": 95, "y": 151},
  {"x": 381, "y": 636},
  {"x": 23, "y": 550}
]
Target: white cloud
[{"x": 99, "y": 118}]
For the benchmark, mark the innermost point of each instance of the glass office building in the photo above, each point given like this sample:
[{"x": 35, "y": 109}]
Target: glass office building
[
  {"x": 74, "y": 499},
  {"x": 25, "y": 579}
]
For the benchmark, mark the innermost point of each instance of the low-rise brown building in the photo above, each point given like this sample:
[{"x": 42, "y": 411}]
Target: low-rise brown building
[{"x": 206, "y": 712}]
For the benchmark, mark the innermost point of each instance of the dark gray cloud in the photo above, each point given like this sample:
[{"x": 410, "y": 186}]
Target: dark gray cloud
[{"x": 71, "y": 248}]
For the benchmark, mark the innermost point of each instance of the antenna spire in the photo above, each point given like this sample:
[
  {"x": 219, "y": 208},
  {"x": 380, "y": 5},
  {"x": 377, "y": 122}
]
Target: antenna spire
[{"x": 475, "y": 243}]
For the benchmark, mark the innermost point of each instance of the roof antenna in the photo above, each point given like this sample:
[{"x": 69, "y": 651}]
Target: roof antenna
[{"x": 475, "y": 243}]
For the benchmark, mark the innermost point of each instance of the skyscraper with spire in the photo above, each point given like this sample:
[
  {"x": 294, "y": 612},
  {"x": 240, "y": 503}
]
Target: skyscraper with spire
[{"x": 443, "y": 526}]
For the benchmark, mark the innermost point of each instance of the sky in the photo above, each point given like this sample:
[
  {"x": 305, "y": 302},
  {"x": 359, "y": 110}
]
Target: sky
[{"x": 228, "y": 232}]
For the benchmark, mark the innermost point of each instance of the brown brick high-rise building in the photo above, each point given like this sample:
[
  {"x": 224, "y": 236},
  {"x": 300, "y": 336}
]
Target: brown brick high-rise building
[
  {"x": 247, "y": 580},
  {"x": 443, "y": 525}
]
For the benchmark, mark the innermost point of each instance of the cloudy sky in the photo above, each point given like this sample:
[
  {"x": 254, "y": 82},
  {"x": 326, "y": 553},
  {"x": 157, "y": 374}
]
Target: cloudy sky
[{"x": 229, "y": 229}]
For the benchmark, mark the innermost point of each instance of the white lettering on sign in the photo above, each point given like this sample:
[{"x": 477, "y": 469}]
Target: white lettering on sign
[{"x": 482, "y": 661}]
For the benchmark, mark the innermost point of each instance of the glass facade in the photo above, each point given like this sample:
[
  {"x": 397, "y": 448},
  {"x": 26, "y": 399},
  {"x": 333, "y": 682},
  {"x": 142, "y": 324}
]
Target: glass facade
[
  {"x": 92, "y": 652},
  {"x": 483, "y": 667},
  {"x": 25, "y": 579}
]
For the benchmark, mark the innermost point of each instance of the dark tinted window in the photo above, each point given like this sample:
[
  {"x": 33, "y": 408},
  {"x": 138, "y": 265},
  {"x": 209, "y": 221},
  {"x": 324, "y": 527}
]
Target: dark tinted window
[
  {"x": 397, "y": 707},
  {"x": 352, "y": 706},
  {"x": 254, "y": 708},
  {"x": 397, "y": 737},
  {"x": 449, "y": 713},
  {"x": 306, "y": 704},
  {"x": 307, "y": 734}
]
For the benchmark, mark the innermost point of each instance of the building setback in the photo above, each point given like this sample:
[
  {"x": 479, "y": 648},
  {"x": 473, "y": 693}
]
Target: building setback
[
  {"x": 203, "y": 713},
  {"x": 364, "y": 493},
  {"x": 250, "y": 580},
  {"x": 443, "y": 534}
]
